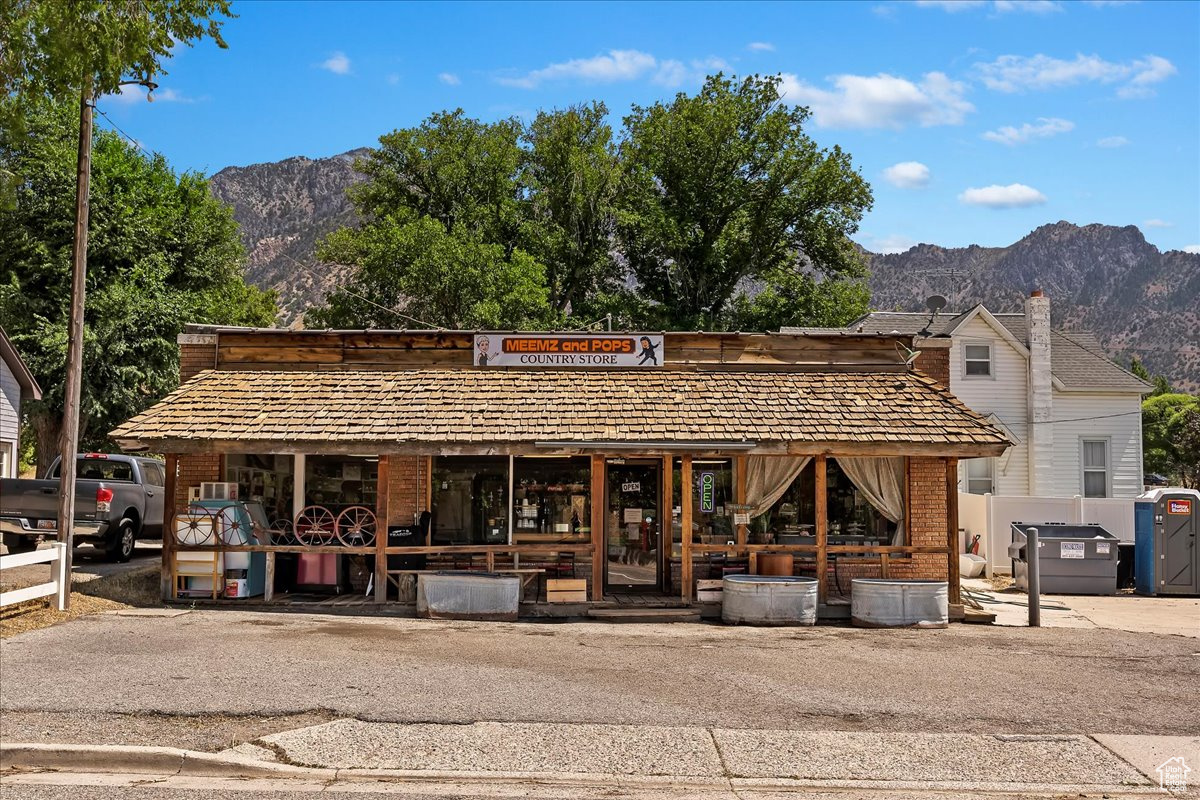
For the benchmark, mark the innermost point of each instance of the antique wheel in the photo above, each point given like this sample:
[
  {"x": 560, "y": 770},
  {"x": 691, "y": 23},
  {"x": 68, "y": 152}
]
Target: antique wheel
[
  {"x": 196, "y": 528},
  {"x": 356, "y": 526},
  {"x": 281, "y": 532},
  {"x": 315, "y": 525},
  {"x": 229, "y": 524}
]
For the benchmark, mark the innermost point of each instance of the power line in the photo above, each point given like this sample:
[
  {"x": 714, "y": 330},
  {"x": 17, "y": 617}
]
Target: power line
[{"x": 118, "y": 129}]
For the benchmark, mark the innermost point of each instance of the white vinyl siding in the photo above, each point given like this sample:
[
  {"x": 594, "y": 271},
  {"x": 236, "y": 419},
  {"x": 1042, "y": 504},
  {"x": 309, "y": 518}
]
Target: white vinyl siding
[
  {"x": 10, "y": 415},
  {"x": 1003, "y": 395},
  {"x": 1113, "y": 418}
]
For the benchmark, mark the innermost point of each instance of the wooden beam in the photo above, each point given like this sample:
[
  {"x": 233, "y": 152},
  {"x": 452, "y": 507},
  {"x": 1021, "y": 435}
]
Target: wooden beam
[
  {"x": 739, "y": 492},
  {"x": 599, "y": 507},
  {"x": 382, "y": 505},
  {"x": 952, "y": 576},
  {"x": 685, "y": 528},
  {"x": 822, "y": 514},
  {"x": 666, "y": 520},
  {"x": 170, "y": 509}
]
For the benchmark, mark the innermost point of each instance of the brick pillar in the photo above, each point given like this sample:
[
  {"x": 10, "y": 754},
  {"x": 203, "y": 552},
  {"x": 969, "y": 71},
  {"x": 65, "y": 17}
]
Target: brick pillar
[
  {"x": 927, "y": 517},
  {"x": 197, "y": 352},
  {"x": 405, "y": 488},
  {"x": 194, "y": 469},
  {"x": 934, "y": 360}
]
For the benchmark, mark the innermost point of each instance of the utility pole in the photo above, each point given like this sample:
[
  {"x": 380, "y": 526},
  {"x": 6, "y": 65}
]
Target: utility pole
[{"x": 69, "y": 441}]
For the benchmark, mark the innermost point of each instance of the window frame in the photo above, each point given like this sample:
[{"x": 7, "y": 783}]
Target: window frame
[
  {"x": 991, "y": 475},
  {"x": 990, "y": 361},
  {"x": 1084, "y": 469}
]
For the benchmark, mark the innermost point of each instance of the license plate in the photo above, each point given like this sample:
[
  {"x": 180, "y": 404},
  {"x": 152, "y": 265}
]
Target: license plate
[{"x": 47, "y": 524}]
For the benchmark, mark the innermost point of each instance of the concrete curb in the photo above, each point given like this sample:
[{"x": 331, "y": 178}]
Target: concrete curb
[{"x": 175, "y": 762}]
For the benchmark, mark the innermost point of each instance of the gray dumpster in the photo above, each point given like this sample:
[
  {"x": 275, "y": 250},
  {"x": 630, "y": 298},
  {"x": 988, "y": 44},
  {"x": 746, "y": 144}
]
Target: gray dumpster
[{"x": 1074, "y": 559}]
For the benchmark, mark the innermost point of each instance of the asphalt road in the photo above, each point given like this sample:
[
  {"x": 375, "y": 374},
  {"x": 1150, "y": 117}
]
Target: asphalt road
[
  {"x": 106, "y": 678},
  {"x": 87, "y": 563}
]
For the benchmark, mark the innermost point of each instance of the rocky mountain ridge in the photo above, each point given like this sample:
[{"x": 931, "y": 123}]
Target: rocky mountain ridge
[{"x": 1109, "y": 280}]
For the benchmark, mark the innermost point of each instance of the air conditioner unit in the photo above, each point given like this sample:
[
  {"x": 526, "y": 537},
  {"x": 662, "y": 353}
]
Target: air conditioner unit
[{"x": 218, "y": 491}]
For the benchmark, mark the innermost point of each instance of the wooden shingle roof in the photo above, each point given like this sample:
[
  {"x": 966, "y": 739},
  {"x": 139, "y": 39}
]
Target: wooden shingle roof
[{"x": 471, "y": 410}]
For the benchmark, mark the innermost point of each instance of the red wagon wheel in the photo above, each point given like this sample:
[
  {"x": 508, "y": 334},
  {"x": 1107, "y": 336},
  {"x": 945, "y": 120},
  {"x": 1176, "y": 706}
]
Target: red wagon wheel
[
  {"x": 229, "y": 524},
  {"x": 315, "y": 525},
  {"x": 356, "y": 526},
  {"x": 281, "y": 532},
  {"x": 196, "y": 527}
]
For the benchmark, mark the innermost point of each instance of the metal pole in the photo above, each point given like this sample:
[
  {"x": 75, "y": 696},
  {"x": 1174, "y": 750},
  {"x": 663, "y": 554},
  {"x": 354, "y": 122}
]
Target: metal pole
[
  {"x": 69, "y": 441},
  {"x": 1032, "y": 559}
]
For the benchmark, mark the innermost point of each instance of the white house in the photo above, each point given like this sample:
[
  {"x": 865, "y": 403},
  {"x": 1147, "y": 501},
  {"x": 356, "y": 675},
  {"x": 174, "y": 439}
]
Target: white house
[
  {"x": 16, "y": 384},
  {"x": 1074, "y": 416}
]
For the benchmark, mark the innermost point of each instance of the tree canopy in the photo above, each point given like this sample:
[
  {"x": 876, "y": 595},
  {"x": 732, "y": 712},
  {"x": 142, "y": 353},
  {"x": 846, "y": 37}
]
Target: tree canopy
[
  {"x": 1171, "y": 437},
  {"x": 163, "y": 252},
  {"x": 713, "y": 211}
]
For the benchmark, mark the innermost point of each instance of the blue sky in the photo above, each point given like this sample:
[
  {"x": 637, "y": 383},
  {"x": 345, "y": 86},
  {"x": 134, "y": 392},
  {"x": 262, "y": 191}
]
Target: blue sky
[{"x": 975, "y": 121}]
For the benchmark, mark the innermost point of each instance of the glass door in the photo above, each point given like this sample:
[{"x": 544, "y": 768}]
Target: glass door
[{"x": 633, "y": 533}]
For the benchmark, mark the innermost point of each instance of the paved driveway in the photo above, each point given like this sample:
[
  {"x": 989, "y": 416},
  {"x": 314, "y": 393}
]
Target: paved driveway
[{"x": 88, "y": 563}]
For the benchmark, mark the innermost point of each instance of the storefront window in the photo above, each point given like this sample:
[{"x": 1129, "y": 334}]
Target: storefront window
[
  {"x": 852, "y": 518},
  {"x": 712, "y": 493},
  {"x": 265, "y": 479},
  {"x": 550, "y": 499},
  {"x": 338, "y": 482},
  {"x": 470, "y": 500}
]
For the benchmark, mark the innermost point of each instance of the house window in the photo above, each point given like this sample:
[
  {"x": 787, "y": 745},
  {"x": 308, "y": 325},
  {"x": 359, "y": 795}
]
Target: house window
[
  {"x": 977, "y": 359},
  {"x": 1095, "y": 467},
  {"x": 5, "y": 464},
  {"x": 981, "y": 476}
]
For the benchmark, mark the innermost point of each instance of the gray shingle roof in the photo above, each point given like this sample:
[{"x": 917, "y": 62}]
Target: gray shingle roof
[{"x": 1076, "y": 357}]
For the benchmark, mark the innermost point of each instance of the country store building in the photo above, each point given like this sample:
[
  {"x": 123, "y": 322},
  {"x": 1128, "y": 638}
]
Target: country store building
[{"x": 570, "y": 455}]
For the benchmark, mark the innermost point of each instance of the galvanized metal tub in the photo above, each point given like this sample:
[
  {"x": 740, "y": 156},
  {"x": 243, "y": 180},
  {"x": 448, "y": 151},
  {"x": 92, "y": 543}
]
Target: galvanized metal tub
[
  {"x": 468, "y": 595},
  {"x": 768, "y": 600},
  {"x": 879, "y": 603}
]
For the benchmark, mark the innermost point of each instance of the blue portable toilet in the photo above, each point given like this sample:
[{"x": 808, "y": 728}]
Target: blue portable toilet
[{"x": 1166, "y": 530}]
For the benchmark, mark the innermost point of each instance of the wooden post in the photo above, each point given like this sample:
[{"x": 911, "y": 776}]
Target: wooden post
[
  {"x": 666, "y": 520},
  {"x": 428, "y": 466},
  {"x": 599, "y": 506},
  {"x": 685, "y": 526},
  {"x": 739, "y": 494},
  {"x": 170, "y": 509},
  {"x": 822, "y": 513},
  {"x": 952, "y": 576},
  {"x": 382, "y": 487}
]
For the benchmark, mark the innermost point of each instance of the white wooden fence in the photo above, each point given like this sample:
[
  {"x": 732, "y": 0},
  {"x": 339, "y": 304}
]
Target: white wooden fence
[
  {"x": 991, "y": 516},
  {"x": 56, "y": 557}
]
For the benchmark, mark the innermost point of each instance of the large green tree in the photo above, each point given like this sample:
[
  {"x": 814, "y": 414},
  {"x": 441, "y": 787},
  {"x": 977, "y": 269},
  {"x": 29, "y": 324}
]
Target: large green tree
[
  {"x": 724, "y": 195},
  {"x": 572, "y": 173},
  {"x": 439, "y": 241},
  {"x": 163, "y": 253},
  {"x": 1171, "y": 437}
]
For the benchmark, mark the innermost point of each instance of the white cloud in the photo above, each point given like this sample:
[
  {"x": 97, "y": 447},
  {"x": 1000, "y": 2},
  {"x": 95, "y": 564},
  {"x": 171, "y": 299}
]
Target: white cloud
[
  {"x": 1045, "y": 128},
  {"x": 449, "y": 78},
  {"x": 1028, "y": 6},
  {"x": 1020, "y": 73},
  {"x": 896, "y": 243},
  {"x": 760, "y": 46},
  {"x": 613, "y": 66},
  {"x": 881, "y": 101},
  {"x": 1191, "y": 248},
  {"x": 953, "y": 6},
  {"x": 1109, "y": 3},
  {"x": 393, "y": 79},
  {"x": 1157, "y": 223},
  {"x": 1015, "y": 195},
  {"x": 907, "y": 175},
  {"x": 1112, "y": 141},
  {"x": 338, "y": 64},
  {"x": 128, "y": 95}
]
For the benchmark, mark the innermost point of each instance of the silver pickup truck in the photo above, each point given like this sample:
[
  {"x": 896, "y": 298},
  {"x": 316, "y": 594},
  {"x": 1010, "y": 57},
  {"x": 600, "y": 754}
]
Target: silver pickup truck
[{"x": 118, "y": 500}]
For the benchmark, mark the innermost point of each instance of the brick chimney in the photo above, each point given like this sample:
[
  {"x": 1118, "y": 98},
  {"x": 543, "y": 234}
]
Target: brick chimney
[{"x": 1041, "y": 395}]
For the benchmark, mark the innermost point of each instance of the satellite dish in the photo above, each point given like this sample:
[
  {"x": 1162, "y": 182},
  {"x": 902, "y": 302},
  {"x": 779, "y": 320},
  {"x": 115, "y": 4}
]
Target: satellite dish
[{"x": 935, "y": 303}]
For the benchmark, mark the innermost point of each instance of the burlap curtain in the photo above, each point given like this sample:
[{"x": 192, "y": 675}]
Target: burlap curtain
[
  {"x": 881, "y": 480},
  {"x": 768, "y": 477}
]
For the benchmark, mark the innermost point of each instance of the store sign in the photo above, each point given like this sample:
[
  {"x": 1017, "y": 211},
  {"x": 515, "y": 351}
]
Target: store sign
[
  {"x": 1179, "y": 507},
  {"x": 568, "y": 349},
  {"x": 631, "y": 486},
  {"x": 708, "y": 492}
]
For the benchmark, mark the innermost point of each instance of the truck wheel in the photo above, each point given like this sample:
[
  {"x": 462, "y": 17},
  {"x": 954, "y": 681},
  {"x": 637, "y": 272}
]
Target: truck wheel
[
  {"x": 16, "y": 543},
  {"x": 119, "y": 547}
]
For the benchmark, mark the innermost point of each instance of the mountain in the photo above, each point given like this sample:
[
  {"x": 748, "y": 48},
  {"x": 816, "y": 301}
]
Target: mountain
[
  {"x": 1138, "y": 300},
  {"x": 284, "y": 209},
  {"x": 1109, "y": 280}
]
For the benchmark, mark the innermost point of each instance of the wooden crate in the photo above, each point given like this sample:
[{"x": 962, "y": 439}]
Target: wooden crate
[
  {"x": 708, "y": 591},
  {"x": 566, "y": 590}
]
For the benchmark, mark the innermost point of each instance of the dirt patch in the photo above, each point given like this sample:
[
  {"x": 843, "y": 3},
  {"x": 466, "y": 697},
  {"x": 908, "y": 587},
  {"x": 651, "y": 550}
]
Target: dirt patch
[
  {"x": 137, "y": 589},
  {"x": 206, "y": 732}
]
